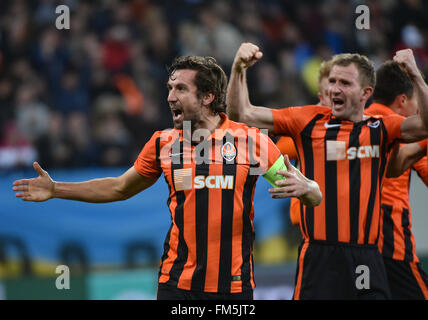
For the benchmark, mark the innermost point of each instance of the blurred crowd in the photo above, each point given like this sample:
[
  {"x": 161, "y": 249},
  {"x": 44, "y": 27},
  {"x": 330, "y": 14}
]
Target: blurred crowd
[{"x": 94, "y": 94}]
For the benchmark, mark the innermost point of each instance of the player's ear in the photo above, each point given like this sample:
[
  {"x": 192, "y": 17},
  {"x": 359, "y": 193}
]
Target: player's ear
[
  {"x": 319, "y": 97},
  {"x": 207, "y": 98},
  {"x": 367, "y": 92},
  {"x": 399, "y": 102}
]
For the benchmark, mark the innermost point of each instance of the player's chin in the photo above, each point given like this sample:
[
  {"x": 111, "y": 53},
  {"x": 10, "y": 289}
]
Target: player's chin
[{"x": 178, "y": 125}]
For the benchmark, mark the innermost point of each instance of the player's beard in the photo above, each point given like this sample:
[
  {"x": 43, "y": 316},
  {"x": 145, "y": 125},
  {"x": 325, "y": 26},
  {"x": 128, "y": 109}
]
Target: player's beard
[{"x": 191, "y": 121}]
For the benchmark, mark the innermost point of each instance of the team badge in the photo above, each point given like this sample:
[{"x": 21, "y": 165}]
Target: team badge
[
  {"x": 228, "y": 151},
  {"x": 373, "y": 124}
]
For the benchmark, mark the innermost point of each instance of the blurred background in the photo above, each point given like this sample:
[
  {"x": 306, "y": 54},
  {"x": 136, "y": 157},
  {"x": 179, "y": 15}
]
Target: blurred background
[{"x": 83, "y": 101}]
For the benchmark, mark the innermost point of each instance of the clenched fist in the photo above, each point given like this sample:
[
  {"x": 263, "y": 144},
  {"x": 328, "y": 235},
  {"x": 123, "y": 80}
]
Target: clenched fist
[
  {"x": 246, "y": 56},
  {"x": 406, "y": 60}
]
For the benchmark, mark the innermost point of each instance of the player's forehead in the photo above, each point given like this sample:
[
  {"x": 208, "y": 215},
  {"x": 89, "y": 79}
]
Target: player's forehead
[
  {"x": 349, "y": 72},
  {"x": 323, "y": 84},
  {"x": 182, "y": 76}
]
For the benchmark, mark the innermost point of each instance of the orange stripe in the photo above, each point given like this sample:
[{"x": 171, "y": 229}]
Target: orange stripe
[
  {"x": 380, "y": 241},
  {"x": 319, "y": 177},
  {"x": 365, "y": 183},
  {"x": 412, "y": 238},
  {"x": 214, "y": 235},
  {"x": 376, "y": 219},
  {"x": 189, "y": 234},
  {"x": 236, "y": 286},
  {"x": 303, "y": 225},
  {"x": 253, "y": 284},
  {"x": 173, "y": 241},
  {"x": 419, "y": 279},
  {"x": 399, "y": 246},
  {"x": 343, "y": 212},
  {"x": 300, "y": 274}
]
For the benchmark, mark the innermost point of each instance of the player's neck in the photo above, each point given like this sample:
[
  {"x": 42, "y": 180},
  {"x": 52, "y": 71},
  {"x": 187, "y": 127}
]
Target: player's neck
[{"x": 209, "y": 122}]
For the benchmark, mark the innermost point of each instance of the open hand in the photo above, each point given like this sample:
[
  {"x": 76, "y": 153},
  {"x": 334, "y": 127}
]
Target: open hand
[
  {"x": 36, "y": 189},
  {"x": 294, "y": 185}
]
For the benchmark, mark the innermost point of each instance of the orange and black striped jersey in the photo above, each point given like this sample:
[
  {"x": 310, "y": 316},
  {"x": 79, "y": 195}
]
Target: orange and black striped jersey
[
  {"x": 210, "y": 242},
  {"x": 348, "y": 162},
  {"x": 396, "y": 240},
  {"x": 286, "y": 146}
]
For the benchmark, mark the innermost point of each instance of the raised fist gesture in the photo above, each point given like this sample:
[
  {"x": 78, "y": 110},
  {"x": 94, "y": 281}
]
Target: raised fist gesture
[{"x": 246, "y": 56}]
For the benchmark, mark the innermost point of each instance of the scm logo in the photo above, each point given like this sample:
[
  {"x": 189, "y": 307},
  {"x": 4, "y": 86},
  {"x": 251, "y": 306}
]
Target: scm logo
[
  {"x": 337, "y": 150},
  {"x": 363, "y": 152},
  {"x": 218, "y": 182}
]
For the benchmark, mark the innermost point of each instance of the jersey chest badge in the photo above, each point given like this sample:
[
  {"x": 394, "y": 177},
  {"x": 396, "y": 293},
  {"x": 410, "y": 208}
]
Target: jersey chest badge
[{"x": 228, "y": 151}]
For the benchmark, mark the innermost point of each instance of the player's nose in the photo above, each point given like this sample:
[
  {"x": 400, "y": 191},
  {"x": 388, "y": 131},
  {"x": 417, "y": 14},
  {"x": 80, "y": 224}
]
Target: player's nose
[{"x": 171, "y": 96}]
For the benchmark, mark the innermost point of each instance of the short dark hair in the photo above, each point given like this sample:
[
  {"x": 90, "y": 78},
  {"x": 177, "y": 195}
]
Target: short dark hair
[
  {"x": 365, "y": 67},
  {"x": 391, "y": 82},
  {"x": 210, "y": 78}
]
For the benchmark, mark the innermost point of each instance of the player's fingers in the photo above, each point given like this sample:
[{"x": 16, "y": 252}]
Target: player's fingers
[
  {"x": 249, "y": 47},
  {"x": 39, "y": 169},
  {"x": 287, "y": 174},
  {"x": 249, "y": 52},
  {"x": 258, "y": 55},
  {"x": 21, "y": 182},
  {"x": 281, "y": 190},
  {"x": 25, "y": 196},
  {"x": 21, "y": 194},
  {"x": 288, "y": 164},
  {"x": 20, "y": 188},
  {"x": 284, "y": 183},
  {"x": 283, "y": 195}
]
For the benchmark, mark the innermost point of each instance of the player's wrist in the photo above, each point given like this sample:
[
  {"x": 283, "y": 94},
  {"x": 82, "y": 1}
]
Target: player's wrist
[{"x": 53, "y": 189}]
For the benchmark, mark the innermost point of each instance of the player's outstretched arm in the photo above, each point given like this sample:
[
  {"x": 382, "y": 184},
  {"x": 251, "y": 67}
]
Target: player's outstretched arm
[
  {"x": 402, "y": 157},
  {"x": 239, "y": 107},
  {"x": 296, "y": 185},
  {"x": 414, "y": 128},
  {"x": 44, "y": 188}
]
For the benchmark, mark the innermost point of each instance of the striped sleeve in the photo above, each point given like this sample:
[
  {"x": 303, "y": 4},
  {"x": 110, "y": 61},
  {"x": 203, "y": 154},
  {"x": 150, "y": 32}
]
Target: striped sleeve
[
  {"x": 393, "y": 127},
  {"x": 290, "y": 121},
  {"x": 283, "y": 121},
  {"x": 147, "y": 162}
]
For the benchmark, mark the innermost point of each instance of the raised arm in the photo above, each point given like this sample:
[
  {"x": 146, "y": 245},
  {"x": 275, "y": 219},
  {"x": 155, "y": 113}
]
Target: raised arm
[
  {"x": 402, "y": 157},
  {"x": 239, "y": 107},
  {"x": 414, "y": 128},
  {"x": 44, "y": 188}
]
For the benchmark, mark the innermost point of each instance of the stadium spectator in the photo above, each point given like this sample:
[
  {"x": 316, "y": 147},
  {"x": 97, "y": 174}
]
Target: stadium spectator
[{"x": 140, "y": 37}]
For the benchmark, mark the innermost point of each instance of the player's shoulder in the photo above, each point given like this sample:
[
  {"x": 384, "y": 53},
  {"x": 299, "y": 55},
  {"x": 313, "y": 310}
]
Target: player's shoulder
[
  {"x": 239, "y": 128},
  {"x": 164, "y": 136},
  {"x": 378, "y": 111},
  {"x": 306, "y": 110}
]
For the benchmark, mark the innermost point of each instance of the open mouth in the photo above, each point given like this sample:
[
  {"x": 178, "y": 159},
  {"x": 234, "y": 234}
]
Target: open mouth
[
  {"x": 338, "y": 102},
  {"x": 177, "y": 114}
]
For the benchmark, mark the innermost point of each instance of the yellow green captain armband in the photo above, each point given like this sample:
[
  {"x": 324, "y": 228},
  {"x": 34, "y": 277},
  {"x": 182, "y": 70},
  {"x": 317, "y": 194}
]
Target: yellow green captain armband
[{"x": 271, "y": 176}]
